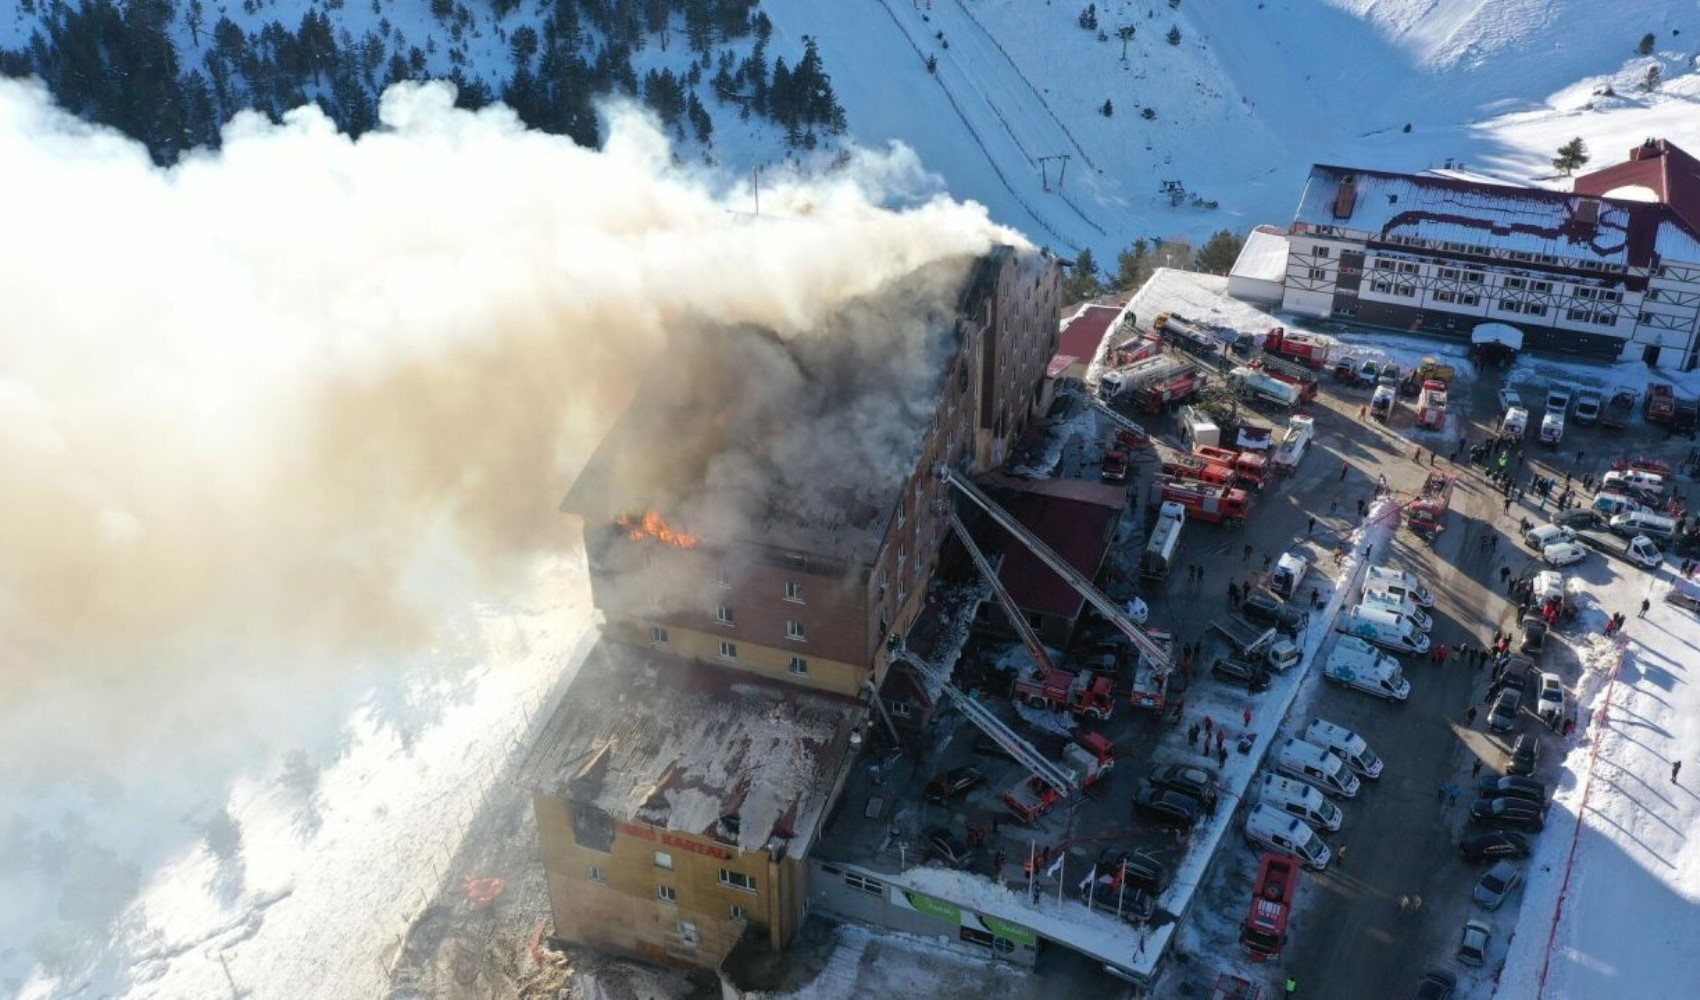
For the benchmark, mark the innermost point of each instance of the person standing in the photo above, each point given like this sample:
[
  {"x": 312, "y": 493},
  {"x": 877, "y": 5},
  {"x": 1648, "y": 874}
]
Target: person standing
[
  {"x": 1248, "y": 716},
  {"x": 1470, "y": 720},
  {"x": 1344, "y": 468},
  {"x": 1310, "y": 524},
  {"x": 1675, "y": 767},
  {"x": 1476, "y": 768},
  {"x": 1645, "y": 604}
]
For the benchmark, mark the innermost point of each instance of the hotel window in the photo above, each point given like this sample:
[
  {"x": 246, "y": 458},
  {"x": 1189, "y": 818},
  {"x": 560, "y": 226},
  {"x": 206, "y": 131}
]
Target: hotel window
[
  {"x": 1468, "y": 300},
  {"x": 666, "y": 894},
  {"x": 1449, "y": 272},
  {"x": 739, "y": 913},
  {"x": 900, "y": 709},
  {"x": 658, "y": 635},
  {"x": 1317, "y": 274},
  {"x": 1444, "y": 297},
  {"x": 1534, "y": 310},
  {"x": 861, "y": 883},
  {"x": 793, "y": 591},
  {"x": 1322, "y": 252},
  {"x": 799, "y": 666},
  {"x": 794, "y": 630},
  {"x": 598, "y": 875},
  {"x": 1383, "y": 265},
  {"x": 688, "y": 934},
  {"x": 1407, "y": 269},
  {"x": 1515, "y": 283},
  {"x": 664, "y": 860},
  {"x": 728, "y": 651},
  {"x": 737, "y": 880},
  {"x": 723, "y": 615},
  {"x": 1541, "y": 286},
  {"x": 1475, "y": 276},
  {"x": 1506, "y": 305},
  {"x": 1405, "y": 290}
]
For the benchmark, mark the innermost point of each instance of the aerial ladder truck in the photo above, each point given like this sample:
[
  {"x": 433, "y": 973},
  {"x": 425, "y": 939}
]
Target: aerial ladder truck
[{"x": 1151, "y": 674}]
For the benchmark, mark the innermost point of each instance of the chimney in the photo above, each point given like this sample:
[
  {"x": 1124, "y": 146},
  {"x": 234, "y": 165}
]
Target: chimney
[
  {"x": 1588, "y": 213},
  {"x": 1346, "y": 198}
]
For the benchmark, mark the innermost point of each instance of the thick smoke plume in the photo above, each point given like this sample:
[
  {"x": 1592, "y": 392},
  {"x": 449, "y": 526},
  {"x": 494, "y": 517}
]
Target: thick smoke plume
[{"x": 265, "y": 414}]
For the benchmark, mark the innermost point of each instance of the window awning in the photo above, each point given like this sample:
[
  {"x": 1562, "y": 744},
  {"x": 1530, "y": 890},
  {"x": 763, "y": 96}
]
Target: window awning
[{"x": 1498, "y": 333}]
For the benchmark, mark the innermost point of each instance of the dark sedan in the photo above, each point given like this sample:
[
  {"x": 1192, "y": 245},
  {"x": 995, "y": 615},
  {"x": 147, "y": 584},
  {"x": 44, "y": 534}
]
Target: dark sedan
[
  {"x": 1512, "y": 814},
  {"x": 1270, "y": 612},
  {"x": 1190, "y": 780},
  {"x": 1252, "y": 677},
  {"x": 1165, "y": 807},
  {"x": 1512, "y": 786},
  {"x": 1525, "y": 755},
  {"x": 1435, "y": 985},
  {"x": 1534, "y": 636},
  {"x": 946, "y": 846},
  {"x": 954, "y": 782},
  {"x": 1493, "y": 846}
]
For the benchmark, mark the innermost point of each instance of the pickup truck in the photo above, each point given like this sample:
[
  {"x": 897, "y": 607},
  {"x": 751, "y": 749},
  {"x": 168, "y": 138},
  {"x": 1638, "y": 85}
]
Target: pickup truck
[
  {"x": 1259, "y": 645},
  {"x": 1558, "y": 401}
]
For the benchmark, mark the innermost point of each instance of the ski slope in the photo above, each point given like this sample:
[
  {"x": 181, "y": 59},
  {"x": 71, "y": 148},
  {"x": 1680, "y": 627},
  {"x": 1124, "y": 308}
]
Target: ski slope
[{"x": 1252, "y": 95}]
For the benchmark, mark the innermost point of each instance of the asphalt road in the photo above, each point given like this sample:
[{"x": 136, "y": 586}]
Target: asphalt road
[{"x": 1353, "y": 940}]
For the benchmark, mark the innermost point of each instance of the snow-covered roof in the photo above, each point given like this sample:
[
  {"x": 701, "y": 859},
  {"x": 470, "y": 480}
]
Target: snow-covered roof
[
  {"x": 1493, "y": 216},
  {"x": 1470, "y": 176},
  {"x": 679, "y": 744},
  {"x": 1263, "y": 258}
]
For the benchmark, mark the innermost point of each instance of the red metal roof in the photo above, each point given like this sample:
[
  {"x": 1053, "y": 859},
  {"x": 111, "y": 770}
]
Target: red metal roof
[
  {"x": 1072, "y": 518},
  {"x": 1662, "y": 167},
  {"x": 1085, "y": 330}
]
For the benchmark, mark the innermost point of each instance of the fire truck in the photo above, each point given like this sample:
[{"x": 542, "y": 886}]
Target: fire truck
[
  {"x": 1198, "y": 470},
  {"x": 1204, "y": 502},
  {"x": 1084, "y": 693},
  {"x": 1086, "y": 761},
  {"x": 1263, "y": 933},
  {"x": 1251, "y": 468},
  {"x": 1431, "y": 405},
  {"x": 1661, "y": 403},
  {"x": 1114, "y": 468},
  {"x": 1149, "y": 681},
  {"x": 1426, "y": 513},
  {"x": 1176, "y": 388},
  {"x": 1307, "y": 350}
]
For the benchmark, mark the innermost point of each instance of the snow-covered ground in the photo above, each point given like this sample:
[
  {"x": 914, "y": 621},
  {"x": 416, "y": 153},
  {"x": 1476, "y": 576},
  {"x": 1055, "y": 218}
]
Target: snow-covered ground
[{"x": 1250, "y": 96}]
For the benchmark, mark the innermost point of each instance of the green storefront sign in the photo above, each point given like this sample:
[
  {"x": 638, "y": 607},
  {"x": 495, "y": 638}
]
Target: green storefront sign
[
  {"x": 1014, "y": 932},
  {"x": 954, "y": 914},
  {"x": 933, "y": 907}
]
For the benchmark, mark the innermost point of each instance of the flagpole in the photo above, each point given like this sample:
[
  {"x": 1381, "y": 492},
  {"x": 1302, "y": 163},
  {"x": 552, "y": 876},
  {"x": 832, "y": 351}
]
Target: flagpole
[
  {"x": 1121, "y": 890},
  {"x": 1062, "y": 873}
]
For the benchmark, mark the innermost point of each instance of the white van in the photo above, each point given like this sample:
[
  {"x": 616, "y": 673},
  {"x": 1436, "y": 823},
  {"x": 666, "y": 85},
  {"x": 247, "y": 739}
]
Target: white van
[
  {"x": 1315, "y": 765},
  {"x": 1632, "y": 481},
  {"x": 1275, "y": 831},
  {"x": 1540, "y": 536},
  {"x": 1654, "y": 526},
  {"x": 1515, "y": 424},
  {"x": 1387, "y": 629},
  {"x": 1552, "y": 428},
  {"x": 1400, "y": 581},
  {"x": 1383, "y": 597},
  {"x": 1295, "y": 798},
  {"x": 1345, "y": 744}
]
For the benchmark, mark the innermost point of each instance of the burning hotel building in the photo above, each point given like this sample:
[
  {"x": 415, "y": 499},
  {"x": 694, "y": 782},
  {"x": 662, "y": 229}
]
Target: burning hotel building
[{"x": 758, "y": 522}]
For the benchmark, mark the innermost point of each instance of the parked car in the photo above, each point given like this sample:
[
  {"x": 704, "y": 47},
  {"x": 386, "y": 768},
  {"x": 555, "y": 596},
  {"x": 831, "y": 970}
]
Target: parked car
[
  {"x": 943, "y": 845},
  {"x": 1509, "y": 814},
  {"x": 1435, "y": 985},
  {"x": 1253, "y": 677},
  {"x": 1145, "y": 871},
  {"x": 1502, "y": 717},
  {"x": 1188, "y": 779},
  {"x": 1271, "y": 612},
  {"x": 1508, "y": 398},
  {"x": 1165, "y": 807},
  {"x": 1518, "y": 669},
  {"x": 1550, "y": 707},
  {"x": 1534, "y": 636},
  {"x": 954, "y": 782},
  {"x": 1512, "y": 786},
  {"x": 1525, "y": 755},
  {"x": 1578, "y": 518},
  {"x": 1564, "y": 554},
  {"x": 1497, "y": 884},
  {"x": 1492, "y": 845},
  {"x": 1541, "y": 536},
  {"x": 1473, "y": 944}
]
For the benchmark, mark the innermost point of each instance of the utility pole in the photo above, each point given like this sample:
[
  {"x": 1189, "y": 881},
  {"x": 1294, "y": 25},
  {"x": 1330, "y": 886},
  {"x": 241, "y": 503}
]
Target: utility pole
[
  {"x": 1062, "y": 171},
  {"x": 755, "y": 188}
]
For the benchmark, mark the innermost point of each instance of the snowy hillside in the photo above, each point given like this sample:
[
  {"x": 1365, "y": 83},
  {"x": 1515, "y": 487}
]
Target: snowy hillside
[{"x": 1249, "y": 96}]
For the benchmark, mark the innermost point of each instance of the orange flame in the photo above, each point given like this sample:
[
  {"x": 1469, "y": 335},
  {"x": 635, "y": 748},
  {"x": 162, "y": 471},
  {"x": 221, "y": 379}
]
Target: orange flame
[{"x": 652, "y": 526}]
